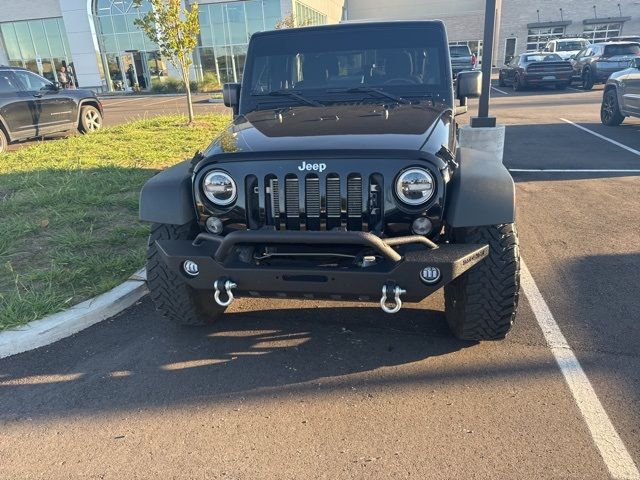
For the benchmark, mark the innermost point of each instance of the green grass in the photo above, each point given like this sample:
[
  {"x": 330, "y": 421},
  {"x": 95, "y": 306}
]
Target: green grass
[{"x": 68, "y": 211}]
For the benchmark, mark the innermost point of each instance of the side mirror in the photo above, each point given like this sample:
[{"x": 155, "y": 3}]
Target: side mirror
[
  {"x": 54, "y": 86},
  {"x": 231, "y": 96},
  {"x": 469, "y": 85}
]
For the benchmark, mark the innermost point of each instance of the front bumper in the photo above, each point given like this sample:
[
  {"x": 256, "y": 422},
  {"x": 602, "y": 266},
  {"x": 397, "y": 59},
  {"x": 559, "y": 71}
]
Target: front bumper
[{"x": 401, "y": 262}]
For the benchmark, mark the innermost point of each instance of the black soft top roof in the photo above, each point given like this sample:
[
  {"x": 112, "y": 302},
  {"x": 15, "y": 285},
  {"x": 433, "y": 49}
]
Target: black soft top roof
[{"x": 352, "y": 25}]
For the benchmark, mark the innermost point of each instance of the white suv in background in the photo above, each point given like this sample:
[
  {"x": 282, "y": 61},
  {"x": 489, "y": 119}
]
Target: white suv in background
[{"x": 566, "y": 47}]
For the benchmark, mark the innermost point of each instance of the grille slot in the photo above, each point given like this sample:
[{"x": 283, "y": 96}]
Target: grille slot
[
  {"x": 292, "y": 202},
  {"x": 313, "y": 206},
  {"x": 334, "y": 202},
  {"x": 354, "y": 202},
  {"x": 273, "y": 191}
]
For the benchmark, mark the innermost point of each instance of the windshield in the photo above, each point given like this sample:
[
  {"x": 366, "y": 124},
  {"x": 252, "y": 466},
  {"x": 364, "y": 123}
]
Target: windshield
[
  {"x": 624, "y": 49},
  {"x": 572, "y": 46},
  {"x": 341, "y": 64},
  {"x": 458, "y": 51},
  {"x": 542, "y": 57}
]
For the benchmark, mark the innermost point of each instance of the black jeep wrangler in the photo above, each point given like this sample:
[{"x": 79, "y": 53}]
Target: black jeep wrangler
[{"x": 339, "y": 178}]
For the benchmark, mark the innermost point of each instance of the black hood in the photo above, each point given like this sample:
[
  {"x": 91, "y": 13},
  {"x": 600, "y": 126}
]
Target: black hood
[{"x": 334, "y": 127}]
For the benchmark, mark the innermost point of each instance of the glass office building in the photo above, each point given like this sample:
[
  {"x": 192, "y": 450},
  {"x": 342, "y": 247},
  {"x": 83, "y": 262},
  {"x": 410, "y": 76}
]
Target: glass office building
[
  {"x": 110, "y": 53},
  {"x": 39, "y": 45}
]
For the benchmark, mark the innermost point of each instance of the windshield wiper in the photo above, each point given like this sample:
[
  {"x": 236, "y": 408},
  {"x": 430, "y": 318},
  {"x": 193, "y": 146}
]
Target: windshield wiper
[
  {"x": 289, "y": 93},
  {"x": 382, "y": 93}
]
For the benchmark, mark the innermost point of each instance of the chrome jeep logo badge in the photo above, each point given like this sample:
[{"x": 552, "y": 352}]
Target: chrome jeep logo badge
[{"x": 316, "y": 167}]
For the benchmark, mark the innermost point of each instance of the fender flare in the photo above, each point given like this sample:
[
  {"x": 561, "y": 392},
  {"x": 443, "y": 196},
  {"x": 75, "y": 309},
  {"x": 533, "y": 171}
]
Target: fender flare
[
  {"x": 167, "y": 197},
  {"x": 481, "y": 191}
]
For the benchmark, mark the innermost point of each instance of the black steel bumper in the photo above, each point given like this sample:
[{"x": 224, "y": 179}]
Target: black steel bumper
[{"x": 215, "y": 258}]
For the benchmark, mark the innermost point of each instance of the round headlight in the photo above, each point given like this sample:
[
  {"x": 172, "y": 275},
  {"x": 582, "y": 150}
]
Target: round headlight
[
  {"x": 415, "y": 186},
  {"x": 219, "y": 187}
]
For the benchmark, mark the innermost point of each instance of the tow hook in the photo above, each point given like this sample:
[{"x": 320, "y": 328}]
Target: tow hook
[
  {"x": 397, "y": 303},
  {"x": 228, "y": 286}
]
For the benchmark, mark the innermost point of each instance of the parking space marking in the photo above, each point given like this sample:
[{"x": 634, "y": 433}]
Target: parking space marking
[
  {"x": 621, "y": 145},
  {"x": 576, "y": 170},
  {"x": 498, "y": 90},
  {"x": 128, "y": 100},
  {"x": 172, "y": 99},
  {"x": 612, "y": 449}
]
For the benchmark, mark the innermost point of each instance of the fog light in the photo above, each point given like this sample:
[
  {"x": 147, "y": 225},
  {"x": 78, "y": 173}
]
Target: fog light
[
  {"x": 421, "y": 226},
  {"x": 214, "y": 225},
  {"x": 430, "y": 275},
  {"x": 190, "y": 268}
]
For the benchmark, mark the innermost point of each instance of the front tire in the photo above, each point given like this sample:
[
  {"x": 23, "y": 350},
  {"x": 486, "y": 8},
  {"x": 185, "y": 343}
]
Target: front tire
[
  {"x": 482, "y": 303},
  {"x": 90, "y": 119},
  {"x": 171, "y": 295},
  {"x": 610, "y": 109},
  {"x": 501, "y": 81}
]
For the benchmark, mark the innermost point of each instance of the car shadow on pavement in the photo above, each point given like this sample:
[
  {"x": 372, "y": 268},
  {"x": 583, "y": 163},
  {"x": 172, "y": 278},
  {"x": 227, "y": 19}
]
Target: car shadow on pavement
[{"x": 140, "y": 360}]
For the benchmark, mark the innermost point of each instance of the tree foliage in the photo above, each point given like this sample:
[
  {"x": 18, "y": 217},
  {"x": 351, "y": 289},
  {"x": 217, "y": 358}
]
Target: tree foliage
[{"x": 175, "y": 30}]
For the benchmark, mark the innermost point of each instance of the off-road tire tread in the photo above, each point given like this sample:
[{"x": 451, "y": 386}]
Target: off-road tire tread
[
  {"x": 172, "y": 297},
  {"x": 487, "y": 295}
]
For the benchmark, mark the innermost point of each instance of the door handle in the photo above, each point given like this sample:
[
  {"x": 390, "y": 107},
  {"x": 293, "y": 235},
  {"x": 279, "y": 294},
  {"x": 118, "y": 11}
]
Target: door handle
[{"x": 37, "y": 95}]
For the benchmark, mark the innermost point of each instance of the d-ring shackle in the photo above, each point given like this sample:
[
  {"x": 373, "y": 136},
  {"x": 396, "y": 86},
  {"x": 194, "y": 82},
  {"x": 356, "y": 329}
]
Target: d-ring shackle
[
  {"x": 228, "y": 286},
  {"x": 397, "y": 291}
]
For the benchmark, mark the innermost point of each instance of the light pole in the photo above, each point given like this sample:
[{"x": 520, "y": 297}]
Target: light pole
[{"x": 491, "y": 13}]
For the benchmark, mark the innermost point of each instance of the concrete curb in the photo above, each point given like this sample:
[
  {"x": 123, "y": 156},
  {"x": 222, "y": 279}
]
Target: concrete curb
[{"x": 64, "y": 324}]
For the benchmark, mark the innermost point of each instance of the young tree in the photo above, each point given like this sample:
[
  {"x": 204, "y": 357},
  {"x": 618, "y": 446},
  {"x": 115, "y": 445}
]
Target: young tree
[
  {"x": 175, "y": 30},
  {"x": 290, "y": 21}
]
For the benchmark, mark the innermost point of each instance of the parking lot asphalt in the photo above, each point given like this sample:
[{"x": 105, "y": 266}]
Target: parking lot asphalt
[{"x": 284, "y": 389}]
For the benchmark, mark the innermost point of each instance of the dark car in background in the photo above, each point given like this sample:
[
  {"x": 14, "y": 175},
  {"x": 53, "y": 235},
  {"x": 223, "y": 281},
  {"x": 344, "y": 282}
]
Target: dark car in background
[
  {"x": 33, "y": 107},
  {"x": 461, "y": 59},
  {"x": 621, "y": 96},
  {"x": 598, "y": 61},
  {"x": 536, "y": 69}
]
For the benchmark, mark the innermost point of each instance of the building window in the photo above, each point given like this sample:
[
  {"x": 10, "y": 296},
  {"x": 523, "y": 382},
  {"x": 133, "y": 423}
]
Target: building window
[
  {"x": 601, "y": 32},
  {"x": 538, "y": 37},
  {"x": 225, "y": 29},
  {"x": 305, "y": 15},
  {"x": 130, "y": 59},
  {"x": 39, "y": 45}
]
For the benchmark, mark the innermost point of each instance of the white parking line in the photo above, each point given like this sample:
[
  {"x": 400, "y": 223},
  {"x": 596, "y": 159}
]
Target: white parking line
[
  {"x": 612, "y": 449},
  {"x": 128, "y": 100},
  {"x": 172, "y": 99},
  {"x": 621, "y": 145},
  {"x": 577, "y": 170},
  {"x": 498, "y": 90}
]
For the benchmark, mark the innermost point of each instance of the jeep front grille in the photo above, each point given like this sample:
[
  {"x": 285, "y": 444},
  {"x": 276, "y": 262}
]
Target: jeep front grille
[{"x": 317, "y": 202}]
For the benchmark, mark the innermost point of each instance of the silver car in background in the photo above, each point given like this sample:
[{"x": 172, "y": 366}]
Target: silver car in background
[{"x": 621, "y": 96}]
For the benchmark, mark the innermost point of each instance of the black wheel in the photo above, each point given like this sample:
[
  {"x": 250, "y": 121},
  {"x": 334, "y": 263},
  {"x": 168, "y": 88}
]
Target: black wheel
[
  {"x": 501, "y": 80},
  {"x": 482, "y": 303},
  {"x": 587, "y": 80},
  {"x": 518, "y": 84},
  {"x": 172, "y": 297},
  {"x": 610, "y": 110},
  {"x": 90, "y": 119},
  {"x": 4, "y": 142}
]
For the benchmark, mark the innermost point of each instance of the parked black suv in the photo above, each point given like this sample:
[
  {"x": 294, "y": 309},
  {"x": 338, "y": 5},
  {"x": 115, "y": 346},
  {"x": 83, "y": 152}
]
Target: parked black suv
[
  {"x": 33, "y": 107},
  {"x": 339, "y": 178}
]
